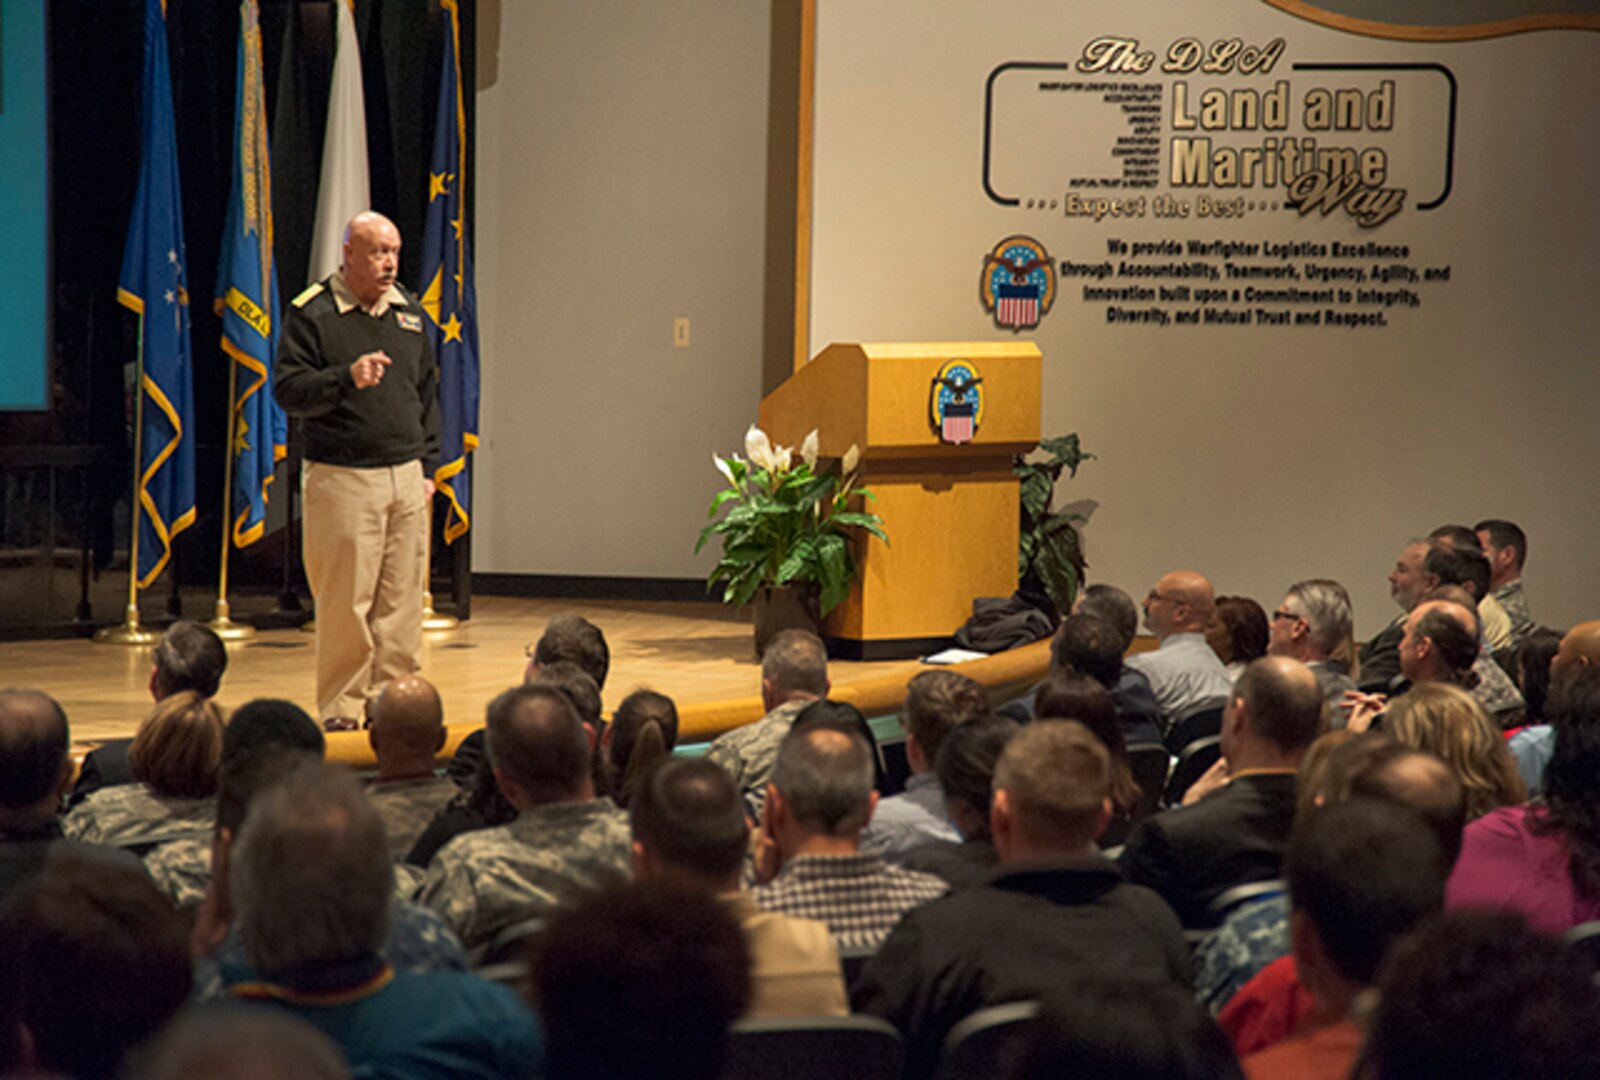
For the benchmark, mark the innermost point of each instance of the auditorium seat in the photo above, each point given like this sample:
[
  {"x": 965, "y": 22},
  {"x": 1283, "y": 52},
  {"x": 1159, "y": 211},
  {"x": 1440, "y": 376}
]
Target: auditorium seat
[
  {"x": 986, "y": 1044},
  {"x": 800, "y": 1048}
]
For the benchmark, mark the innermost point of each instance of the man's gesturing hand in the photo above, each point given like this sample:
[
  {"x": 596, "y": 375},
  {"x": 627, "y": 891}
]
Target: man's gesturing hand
[{"x": 368, "y": 369}]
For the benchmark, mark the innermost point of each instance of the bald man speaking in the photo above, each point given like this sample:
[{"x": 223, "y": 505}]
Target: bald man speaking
[{"x": 356, "y": 366}]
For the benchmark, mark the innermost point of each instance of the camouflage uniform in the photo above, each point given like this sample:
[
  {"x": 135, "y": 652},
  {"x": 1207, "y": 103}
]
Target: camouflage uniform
[
  {"x": 182, "y": 870},
  {"x": 131, "y": 815},
  {"x": 418, "y": 941},
  {"x": 482, "y": 882},
  {"x": 748, "y": 753},
  {"x": 408, "y": 807},
  {"x": 1253, "y": 935},
  {"x": 1496, "y": 692},
  {"x": 1515, "y": 602}
]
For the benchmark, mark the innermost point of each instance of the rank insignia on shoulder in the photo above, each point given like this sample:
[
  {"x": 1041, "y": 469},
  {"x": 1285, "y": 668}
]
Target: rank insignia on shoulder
[
  {"x": 307, "y": 294},
  {"x": 408, "y": 321}
]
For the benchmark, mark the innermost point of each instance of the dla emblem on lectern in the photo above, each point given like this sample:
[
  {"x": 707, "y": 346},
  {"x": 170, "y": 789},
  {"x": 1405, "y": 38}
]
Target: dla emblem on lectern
[
  {"x": 1018, "y": 283},
  {"x": 955, "y": 404}
]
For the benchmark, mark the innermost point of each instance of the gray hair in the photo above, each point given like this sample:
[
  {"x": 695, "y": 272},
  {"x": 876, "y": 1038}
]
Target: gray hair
[
  {"x": 1114, "y": 606},
  {"x": 310, "y": 873},
  {"x": 1325, "y": 606},
  {"x": 825, "y": 776},
  {"x": 796, "y": 661}
]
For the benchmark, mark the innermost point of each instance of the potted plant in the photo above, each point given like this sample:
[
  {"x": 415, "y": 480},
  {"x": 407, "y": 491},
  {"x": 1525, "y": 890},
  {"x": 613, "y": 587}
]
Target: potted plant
[
  {"x": 1050, "y": 562},
  {"x": 786, "y": 533}
]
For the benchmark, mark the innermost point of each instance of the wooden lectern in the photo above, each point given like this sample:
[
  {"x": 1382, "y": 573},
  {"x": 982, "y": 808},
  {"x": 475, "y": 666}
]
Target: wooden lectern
[{"x": 950, "y": 511}]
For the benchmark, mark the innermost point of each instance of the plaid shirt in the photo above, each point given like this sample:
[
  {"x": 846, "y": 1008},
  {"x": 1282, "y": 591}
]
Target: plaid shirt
[{"x": 860, "y": 897}]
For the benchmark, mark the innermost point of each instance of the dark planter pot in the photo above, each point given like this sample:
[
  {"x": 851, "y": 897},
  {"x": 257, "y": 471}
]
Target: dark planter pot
[{"x": 785, "y": 607}]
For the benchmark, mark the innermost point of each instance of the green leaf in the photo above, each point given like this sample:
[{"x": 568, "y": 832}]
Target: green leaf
[{"x": 722, "y": 497}]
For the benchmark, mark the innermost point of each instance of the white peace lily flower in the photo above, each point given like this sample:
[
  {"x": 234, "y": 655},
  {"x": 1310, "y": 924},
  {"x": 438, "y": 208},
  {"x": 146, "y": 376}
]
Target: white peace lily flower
[
  {"x": 722, "y": 467},
  {"x": 758, "y": 448},
  {"x": 852, "y": 458},
  {"x": 783, "y": 459},
  {"x": 808, "y": 449}
]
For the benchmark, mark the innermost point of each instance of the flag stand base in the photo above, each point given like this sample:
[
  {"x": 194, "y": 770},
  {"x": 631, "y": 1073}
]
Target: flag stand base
[
  {"x": 432, "y": 620},
  {"x": 225, "y": 628},
  {"x": 128, "y": 633}
]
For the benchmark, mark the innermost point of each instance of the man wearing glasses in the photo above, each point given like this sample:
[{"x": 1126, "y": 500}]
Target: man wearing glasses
[
  {"x": 1314, "y": 626},
  {"x": 1183, "y": 671}
]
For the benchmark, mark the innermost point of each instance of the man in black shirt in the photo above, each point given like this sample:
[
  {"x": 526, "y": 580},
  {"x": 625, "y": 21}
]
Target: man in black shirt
[{"x": 356, "y": 364}]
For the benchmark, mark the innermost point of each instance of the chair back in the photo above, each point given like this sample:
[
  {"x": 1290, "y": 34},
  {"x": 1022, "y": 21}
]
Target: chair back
[
  {"x": 1240, "y": 895},
  {"x": 1195, "y": 722},
  {"x": 509, "y": 943},
  {"x": 988, "y": 1042},
  {"x": 853, "y": 959},
  {"x": 1584, "y": 939},
  {"x": 1196, "y": 758},
  {"x": 799, "y": 1048},
  {"x": 1150, "y": 764}
]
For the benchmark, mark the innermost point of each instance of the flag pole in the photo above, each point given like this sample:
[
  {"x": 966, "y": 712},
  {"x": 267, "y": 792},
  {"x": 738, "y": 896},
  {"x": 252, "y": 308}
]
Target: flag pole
[
  {"x": 221, "y": 625},
  {"x": 431, "y": 619},
  {"x": 130, "y": 632}
]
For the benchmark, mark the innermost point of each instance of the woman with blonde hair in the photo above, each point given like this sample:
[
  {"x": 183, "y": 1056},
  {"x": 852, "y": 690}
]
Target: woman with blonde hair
[
  {"x": 174, "y": 759},
  {"x": 1448, "y": 722}
]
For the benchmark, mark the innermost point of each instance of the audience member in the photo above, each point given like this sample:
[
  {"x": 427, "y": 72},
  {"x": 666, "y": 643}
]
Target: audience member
[
  {"x": 311, "y": 884},
  {"x": 1183, "y": 671},
  {"x": 845, "y": 717},
  {"x": 478, "y": 804},
  {"x": 95, "y": 963},
  {"x": 417, "y": 939},
  {"x": 174, "y": 760},
  {"x": 407, "y": 734},
  {"x": 688, "y": 823},
  {"x": 1273, "y": 1005},
  {"x": 1361, "y": 874},
  {"x": 643, "y": 731},
  {"x": 1192, "y": 854},
  {"x": 564, "y": 842},
  {"x": 1237, "y": 632},
  {"x": 1380, "y": 657},
  {"x": 241, "y": 1042},
  {"x": 1458, "y": 559},
  {"x": 1489, "y": 683},
  {"x": 1066, "y": 695},
  {"x": 1114, "y": 1028},
  {"x": 1506, "y": 546},
  {"x": 1440, "y": 643},
  {"x": 35, "y": 770},
  {"x": 188, "y": 656},
  {"x": 1116, "y": 607},
  {"x": 573, "y": 639},
  {"x": 936, "y": 703},
  {"x": 966, "y": 773},
  {"x": 1091, "y": 646},
  {"x": 567, "y": 639},
  {"x": 794, "y": 673},
  {"x": 1054, "y": 910},
  {"x": 1534, "y": 664},
  {"x": 1480, "y": 996},
  {"x": 1314, "y": 625},
  {"x": 183, "y": 868},
  {"x": 809, "y": 862},
  {"x": 1544, "y": 860},
  {"x": 643, "y": 980},
  {"x": 1445, "y": 721}
]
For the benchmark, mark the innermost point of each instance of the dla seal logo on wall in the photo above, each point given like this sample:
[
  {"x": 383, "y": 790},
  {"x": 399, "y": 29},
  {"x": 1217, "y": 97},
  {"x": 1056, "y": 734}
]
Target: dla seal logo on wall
[
  {"x": 955, "y": 404},
  {"x": 1018, "y": 283}
]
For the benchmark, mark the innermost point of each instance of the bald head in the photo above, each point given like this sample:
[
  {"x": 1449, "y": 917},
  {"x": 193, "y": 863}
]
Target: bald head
[
  {"x": 1579, "y": 648},
  {"x": 33, "y": 753},
  {"x": 407, "y": 728},
  {"x": 371, "y": 256},
  {"x": 1440, "y": 642},
  {"x": 1273, "y": 715},
  {"x": 1180, "y": 603},
  {"x": 1422, "y": 782}
]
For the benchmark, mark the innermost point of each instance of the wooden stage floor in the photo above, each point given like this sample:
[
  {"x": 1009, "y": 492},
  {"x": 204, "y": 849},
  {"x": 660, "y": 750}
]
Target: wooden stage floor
[{"x": 694, "y": 652}]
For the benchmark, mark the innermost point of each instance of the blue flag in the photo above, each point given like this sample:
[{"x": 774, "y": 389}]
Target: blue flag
[
  {"x": 154, "y": 283},
  {"x": 247, "y": 294},
  {"x": 447, "y": 293}
]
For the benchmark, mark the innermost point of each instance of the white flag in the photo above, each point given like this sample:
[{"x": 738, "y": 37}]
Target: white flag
[{"x": 344, "y": 191}]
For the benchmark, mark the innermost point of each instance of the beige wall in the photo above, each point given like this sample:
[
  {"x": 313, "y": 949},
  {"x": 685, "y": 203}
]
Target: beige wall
[{"x": 621, "y": 184}]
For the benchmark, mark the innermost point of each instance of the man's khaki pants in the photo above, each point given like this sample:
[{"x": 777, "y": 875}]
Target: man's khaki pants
[{"x": 365, "y": 542}]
